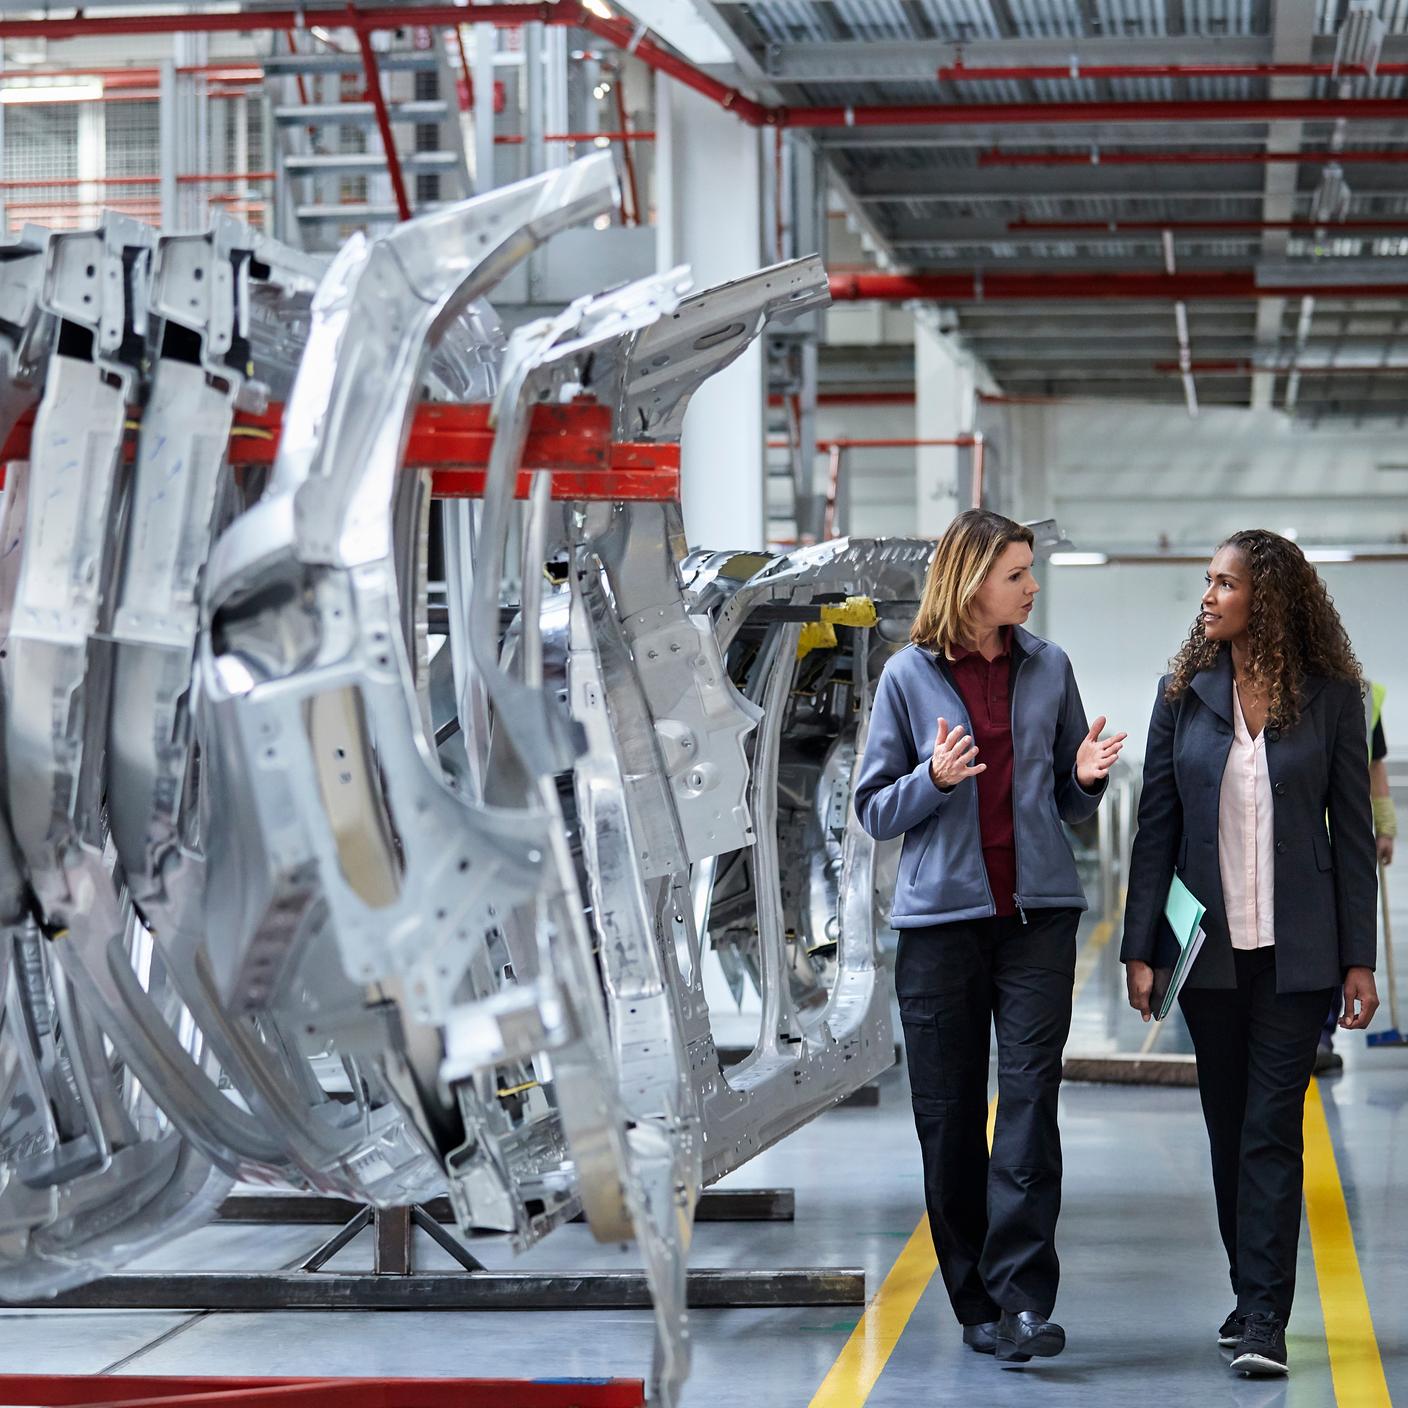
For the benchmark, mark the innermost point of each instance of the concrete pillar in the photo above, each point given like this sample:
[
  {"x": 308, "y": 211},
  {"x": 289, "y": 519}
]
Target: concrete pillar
[
  {"x": 709, "y": 216},
  {"x": 945, "y": 397}
]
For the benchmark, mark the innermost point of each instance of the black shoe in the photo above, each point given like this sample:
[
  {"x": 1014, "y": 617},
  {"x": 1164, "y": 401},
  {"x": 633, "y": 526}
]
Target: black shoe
[
  {"x": 1262, "y": 1347},
  {"x": 1231, "y": 1330},
  {"x": 1327, "y": 1060},
  {"x": 1023, "y": 1334},
  {"x": 982, "y": 1338}
]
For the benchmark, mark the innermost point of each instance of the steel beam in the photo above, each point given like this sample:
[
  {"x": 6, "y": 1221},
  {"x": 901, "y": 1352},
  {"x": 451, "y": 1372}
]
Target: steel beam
[
  {"x": 916, "y": 60},
  {"x": 295, "y": 1209},
  {"x": 1038, "y": 286},
  {"x": 724, "y": 1288}
]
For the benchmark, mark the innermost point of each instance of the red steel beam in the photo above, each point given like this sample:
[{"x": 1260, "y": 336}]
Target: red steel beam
[
  {"x": 1032, "y": 286},
  {"x": 856, "y": 398},
  {"x": 372, "y": 70},
  {"x": 1096, "y": 157},
  {"x": 572, "y": 442}
]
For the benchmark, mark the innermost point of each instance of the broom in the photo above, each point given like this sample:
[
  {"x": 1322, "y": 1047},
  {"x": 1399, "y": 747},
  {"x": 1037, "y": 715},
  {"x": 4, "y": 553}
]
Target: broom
[{"x": 1391, "y": 1036}]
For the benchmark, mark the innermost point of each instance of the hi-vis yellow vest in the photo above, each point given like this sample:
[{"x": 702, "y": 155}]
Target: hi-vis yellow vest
[{"x": 1373, "y": 711}]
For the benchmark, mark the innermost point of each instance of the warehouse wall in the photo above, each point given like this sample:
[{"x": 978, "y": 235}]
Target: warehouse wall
[
  {"x": 882, "y": 480},
  {"x": 1121, "y": 623},
  {"x": 1126, "y": 475},
  {"x": 1130, "y": 476}
]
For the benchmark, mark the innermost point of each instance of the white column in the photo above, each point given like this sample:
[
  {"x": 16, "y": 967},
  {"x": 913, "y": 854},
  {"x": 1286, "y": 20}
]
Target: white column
[
  {"x": 945, "y": 392},
  {"x": 709, "y": 216}
]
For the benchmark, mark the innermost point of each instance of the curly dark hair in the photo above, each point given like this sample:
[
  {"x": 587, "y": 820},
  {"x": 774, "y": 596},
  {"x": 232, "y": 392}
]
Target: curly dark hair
[{"x": 1294, "y": 629}]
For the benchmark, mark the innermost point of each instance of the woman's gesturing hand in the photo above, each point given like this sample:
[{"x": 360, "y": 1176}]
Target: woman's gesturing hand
[
  {"x": 1096, "y": 756},
  {"x": 952, "y": 758},
  {"x": 1359, "y": 984},
  {"x": 1139, "y": 979}
]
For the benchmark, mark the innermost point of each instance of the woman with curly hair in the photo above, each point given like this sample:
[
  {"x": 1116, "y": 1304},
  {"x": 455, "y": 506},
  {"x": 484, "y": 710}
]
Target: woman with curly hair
[{"x": 1256, "y": 794}]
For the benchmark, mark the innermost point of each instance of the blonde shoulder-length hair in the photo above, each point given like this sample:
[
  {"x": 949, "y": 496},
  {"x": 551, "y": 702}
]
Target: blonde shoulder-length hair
[{"x": 961, "y": 562}]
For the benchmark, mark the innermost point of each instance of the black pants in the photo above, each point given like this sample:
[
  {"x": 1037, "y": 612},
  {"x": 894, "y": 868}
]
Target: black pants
[
  {"x": 993, "y": 1219},
  {"x": 1256, "y": 1050}
]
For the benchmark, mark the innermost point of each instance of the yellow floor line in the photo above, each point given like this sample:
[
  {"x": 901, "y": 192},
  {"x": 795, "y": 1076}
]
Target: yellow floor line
[
  {"x": 864, "y": 1355},
  {"x": 851, "y": 1378},
  {"x": 1355, "y": 1365},
  {"x": 1100, "y": 935}
]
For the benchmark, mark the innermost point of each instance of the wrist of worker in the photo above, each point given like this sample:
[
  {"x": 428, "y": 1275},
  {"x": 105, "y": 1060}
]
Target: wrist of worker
[{"x": 1385, "y": 817}]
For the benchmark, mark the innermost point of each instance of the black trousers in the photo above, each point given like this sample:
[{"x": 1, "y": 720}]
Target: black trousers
[
  {"x": 1256, "y": 1050},
  {"x": 993, "y": 1219}
]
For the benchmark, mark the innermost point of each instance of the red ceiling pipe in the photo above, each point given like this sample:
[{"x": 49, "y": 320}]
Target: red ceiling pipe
[
  {"x": 1096, "y": 157},
  {"x": 1389, "y": 222},
  {"x": 1017, "y": 114},
  {"x": 1025, "y": 286},
  {"x": 959, "y": 73},
  {"x": 71, "y": 182},
  {"x": 624, "y": 35},
  {"x": 621, "y": 33},
  {"x": 81, "y": 26},
  {"x": 856, "y": 398},
  {"x": 205, "y": 178},
  {"x": 516, "y": 139}
]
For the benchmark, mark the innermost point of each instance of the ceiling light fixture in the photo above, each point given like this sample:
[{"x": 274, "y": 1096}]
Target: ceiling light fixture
[
  {"x": 1079, "y": 559},
  {"x": 15, "y": 94}
]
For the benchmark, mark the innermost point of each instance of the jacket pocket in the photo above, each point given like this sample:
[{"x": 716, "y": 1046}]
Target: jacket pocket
[{"x": 1321, "y": 842}]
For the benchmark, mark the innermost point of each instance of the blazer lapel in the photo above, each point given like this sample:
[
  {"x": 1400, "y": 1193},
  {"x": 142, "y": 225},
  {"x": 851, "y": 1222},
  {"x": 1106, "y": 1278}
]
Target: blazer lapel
[{"x": 1214, "y": 687}]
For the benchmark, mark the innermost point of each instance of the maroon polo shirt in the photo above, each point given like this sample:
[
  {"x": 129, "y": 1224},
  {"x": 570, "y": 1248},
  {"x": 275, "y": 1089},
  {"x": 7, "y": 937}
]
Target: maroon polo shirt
[{"x": 985, "y": 687}]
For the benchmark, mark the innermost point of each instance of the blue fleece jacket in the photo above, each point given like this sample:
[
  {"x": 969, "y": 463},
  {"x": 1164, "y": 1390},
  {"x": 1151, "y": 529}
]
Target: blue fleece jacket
[{"x": 942, "y": 878}]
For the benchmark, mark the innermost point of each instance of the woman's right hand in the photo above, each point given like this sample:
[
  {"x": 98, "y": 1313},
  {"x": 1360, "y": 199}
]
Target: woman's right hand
[
  {"x": 1139, "y": 979},
  {"x": 952, "y": 758}
]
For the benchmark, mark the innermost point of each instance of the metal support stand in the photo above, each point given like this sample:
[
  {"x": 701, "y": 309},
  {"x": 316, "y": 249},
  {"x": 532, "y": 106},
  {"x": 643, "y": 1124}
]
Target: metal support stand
[
  {"x": 394, "y": 1284},
  {"x": 391, "y": 1233},
  {"x": 299, "y": 1209}
]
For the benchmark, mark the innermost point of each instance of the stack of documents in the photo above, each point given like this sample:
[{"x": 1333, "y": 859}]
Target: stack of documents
[{"x": 1184, "y": 913}]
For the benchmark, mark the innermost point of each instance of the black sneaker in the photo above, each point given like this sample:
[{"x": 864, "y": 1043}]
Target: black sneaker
[
  {"x": 1328, "y": 1061},
  {"x": 982, "y": 1338},
  {"x": 1262, "y": 1347},
  {"x": 1231, "y": 1330},
  {"x": 1022, "y": 1335}
]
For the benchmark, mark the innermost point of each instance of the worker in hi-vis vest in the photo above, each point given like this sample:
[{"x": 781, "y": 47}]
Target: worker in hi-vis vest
[{"x": 1385, "y": 833}]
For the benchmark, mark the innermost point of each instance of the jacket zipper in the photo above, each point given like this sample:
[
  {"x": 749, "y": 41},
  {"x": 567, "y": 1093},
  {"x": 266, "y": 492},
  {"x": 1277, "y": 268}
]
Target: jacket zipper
[{"x": 1012, "y": 722}]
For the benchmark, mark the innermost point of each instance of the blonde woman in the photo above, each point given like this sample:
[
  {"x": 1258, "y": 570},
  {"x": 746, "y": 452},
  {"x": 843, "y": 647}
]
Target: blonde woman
[{"x": 977, "y": 751}]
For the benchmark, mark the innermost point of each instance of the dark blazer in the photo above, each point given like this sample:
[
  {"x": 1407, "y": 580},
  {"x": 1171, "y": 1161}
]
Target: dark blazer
[{"x": 1326, "y": 881}]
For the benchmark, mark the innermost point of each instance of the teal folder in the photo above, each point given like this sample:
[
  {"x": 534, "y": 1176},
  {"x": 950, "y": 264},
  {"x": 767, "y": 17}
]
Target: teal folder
[{"x": 1184, "y": 912}]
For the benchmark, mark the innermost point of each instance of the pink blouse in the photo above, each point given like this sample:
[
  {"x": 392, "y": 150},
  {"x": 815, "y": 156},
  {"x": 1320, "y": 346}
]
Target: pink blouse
[{"x": 1246, "y": 839}]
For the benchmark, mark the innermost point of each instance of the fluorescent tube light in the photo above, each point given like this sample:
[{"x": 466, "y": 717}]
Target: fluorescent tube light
[
  {"x": 1328, "y": 555},
  {"x": 1078, "y": 559},
  {"x": 90, "y": 92}
]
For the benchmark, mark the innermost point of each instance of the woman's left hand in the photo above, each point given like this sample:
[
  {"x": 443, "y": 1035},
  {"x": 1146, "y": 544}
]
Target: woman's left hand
[
  {"x": 1359, "y": 983},
  {"x": 1096, "y": 756}
]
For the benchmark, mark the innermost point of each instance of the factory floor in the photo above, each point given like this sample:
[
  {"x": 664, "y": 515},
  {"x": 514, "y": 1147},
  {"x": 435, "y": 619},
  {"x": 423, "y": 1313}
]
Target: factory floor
[{"x": 1144, "y": 1282}]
